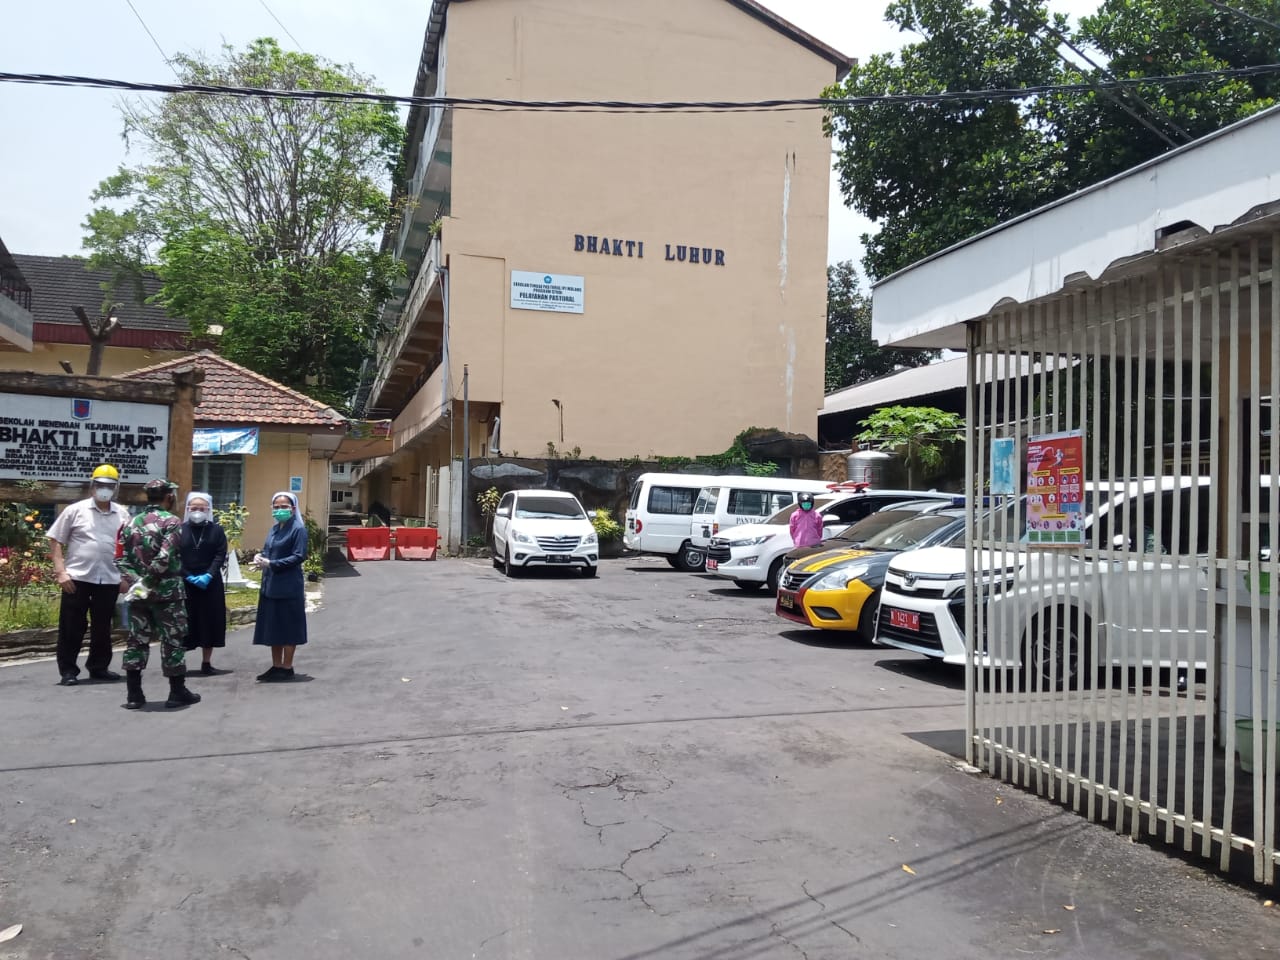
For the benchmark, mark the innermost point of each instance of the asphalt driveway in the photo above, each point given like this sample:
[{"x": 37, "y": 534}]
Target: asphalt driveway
[{"x": 646, "y": 765}]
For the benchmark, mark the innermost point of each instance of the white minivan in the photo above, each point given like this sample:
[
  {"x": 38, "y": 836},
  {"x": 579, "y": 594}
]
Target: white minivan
[
  {"x": 738, "y": 500},
  {"x": 659, "y": 514}
]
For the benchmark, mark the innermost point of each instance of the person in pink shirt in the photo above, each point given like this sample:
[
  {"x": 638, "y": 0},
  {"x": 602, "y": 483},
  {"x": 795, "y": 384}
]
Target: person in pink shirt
[{"x": 806, "y": 523}]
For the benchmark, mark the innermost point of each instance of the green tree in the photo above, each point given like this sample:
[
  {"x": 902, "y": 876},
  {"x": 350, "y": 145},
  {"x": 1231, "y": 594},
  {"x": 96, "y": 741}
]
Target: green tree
[
  {"x": 852, "y": 355},
  {"x": 918, "y": 433},
  {"x": 261, "y": 216},
  {"x": 931, "y": 175}
]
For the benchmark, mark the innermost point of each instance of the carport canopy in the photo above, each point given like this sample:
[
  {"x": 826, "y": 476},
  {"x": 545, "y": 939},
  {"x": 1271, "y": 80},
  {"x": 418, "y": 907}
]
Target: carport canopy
[{"x": 1222, "y": 181}]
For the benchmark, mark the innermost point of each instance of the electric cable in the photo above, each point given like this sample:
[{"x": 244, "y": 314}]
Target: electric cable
[
  {"x": 626, "y": 106},
  {"x": 281, "y": 24},
  {"x": 163, "y": 56},
  {"x": 1244, "y": 14}
]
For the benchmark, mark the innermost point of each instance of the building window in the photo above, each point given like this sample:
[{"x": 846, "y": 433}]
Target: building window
[{"x": 220, "y": 477}]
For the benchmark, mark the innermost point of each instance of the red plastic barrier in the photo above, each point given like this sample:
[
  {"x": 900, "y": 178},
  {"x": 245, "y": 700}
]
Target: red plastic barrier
[
  {"x": 417, "y": 543},
  {"x": 368, "y": 543}
]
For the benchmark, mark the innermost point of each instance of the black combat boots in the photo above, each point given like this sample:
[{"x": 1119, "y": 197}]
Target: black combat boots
[
  {"x": 179, "y": 695},
  {"x": 133, "y": 684}
]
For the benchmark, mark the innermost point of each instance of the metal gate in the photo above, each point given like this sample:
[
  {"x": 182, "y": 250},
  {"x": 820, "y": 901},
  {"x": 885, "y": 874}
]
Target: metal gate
[{"x": 1132, "y": 675}]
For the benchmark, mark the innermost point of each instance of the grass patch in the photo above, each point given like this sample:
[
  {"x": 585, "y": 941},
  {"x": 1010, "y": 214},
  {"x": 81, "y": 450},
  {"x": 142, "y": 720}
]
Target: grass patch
[
  {"x": 36, "y": 608},
  {"x": 240, "y": 598}
]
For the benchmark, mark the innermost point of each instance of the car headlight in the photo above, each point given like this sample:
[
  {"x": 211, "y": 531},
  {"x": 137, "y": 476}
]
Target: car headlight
[
  {"x": 839, "y": 579},
  {"x": 752, "y": 542},
  {"x": 519, "y": 537},
  {"x": 589, "y": 539}
]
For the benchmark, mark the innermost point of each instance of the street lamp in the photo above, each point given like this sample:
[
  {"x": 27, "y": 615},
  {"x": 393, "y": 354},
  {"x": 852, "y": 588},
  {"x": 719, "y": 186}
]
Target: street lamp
[{"x": 560, "y": 407}]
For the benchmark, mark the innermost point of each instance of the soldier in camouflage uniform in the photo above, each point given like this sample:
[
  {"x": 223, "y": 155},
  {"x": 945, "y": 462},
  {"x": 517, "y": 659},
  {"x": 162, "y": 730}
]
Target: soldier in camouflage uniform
[{"x": 151, "y": 563}]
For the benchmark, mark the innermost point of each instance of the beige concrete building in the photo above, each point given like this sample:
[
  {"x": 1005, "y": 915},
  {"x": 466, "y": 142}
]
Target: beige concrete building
[{"x": 618, "y": 284}]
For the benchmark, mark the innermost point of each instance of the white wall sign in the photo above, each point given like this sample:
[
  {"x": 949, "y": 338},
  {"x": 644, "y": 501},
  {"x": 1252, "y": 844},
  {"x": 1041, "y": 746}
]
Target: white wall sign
[
  {"x": 63, "y": 439},
  {"x": 557, "y": 292}
]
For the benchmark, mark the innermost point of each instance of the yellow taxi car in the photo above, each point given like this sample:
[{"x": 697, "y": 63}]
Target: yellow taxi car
[{"x": 840, "y": 589}]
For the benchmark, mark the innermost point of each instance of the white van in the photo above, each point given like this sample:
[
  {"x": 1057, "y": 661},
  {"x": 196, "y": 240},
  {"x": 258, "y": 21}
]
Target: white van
[
  {"x": 738, "y": 500},
  {"x": 659, "y": 515}
]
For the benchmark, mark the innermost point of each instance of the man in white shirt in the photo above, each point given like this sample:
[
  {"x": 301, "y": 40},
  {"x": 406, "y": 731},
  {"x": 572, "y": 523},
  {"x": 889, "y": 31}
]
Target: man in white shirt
[{"x": 83, "y": 543}]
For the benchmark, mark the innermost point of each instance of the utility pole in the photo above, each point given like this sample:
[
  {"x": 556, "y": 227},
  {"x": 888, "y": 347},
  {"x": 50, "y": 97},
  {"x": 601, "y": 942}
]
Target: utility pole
[
  {"x": 99, "y": 332},
  {"x": 466, "y": 453}
]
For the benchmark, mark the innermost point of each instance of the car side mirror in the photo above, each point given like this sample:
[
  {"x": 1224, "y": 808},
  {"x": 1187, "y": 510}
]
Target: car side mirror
[
  {"x": 503, "y": 512},
  {"x": 592, "y": 514},
  {"x": 830, "y": 521},
  {"x": 1120, "y": 542}
]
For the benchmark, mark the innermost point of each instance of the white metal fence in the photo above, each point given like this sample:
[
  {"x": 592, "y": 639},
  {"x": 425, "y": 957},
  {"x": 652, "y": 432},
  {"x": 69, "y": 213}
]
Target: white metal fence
[{"x": 1123, "y": 675}]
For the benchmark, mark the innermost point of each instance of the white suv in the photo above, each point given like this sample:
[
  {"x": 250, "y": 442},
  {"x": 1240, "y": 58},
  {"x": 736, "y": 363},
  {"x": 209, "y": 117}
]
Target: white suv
[
  {"x": 543, "y": 528},
  {"x": 1039, "y": 605},
  {"x": 752, "y": 555}
]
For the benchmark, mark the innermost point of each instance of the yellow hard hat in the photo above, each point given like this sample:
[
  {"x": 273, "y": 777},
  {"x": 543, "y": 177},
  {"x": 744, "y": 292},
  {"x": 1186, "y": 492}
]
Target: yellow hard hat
[{"x": 106, "y": 472}]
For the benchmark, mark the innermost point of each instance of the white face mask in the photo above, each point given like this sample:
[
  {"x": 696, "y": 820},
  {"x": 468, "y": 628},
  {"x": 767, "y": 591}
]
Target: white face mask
[
  {"x": 103, "y": 494},
  {"x": 198, "y": 516}
]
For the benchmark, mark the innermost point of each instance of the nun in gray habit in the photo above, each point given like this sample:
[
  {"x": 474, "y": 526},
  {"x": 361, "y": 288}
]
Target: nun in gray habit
[{"x": 282, "y": 605}]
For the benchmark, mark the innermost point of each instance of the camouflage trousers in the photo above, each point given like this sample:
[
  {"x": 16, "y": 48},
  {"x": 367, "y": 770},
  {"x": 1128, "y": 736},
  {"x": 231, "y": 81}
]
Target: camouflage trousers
[{"x": 166, "y": 622}]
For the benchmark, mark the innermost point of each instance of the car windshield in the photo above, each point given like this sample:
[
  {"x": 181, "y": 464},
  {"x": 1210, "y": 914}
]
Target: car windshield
[
  {"x": 548, "y": 508},
  {"x": 783, "y": 516},
  {"x": 906, "y": 534},
  {"x": 870, "y": 526}
]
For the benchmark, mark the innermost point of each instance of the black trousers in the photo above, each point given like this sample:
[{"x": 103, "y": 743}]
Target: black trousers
[{"x": 92, "y": 604}]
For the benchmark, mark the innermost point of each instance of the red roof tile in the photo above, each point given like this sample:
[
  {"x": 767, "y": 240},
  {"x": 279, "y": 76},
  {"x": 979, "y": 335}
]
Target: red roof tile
[{"x": 232, "y": 394}]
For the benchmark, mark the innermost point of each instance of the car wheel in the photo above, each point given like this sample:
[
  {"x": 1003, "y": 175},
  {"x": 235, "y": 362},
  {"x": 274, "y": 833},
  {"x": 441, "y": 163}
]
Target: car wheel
[
  {"x": 508, "y": 568},
  {"x": 751, "y": 586},
  {"x": 1055, "y": 651},
  {"x": 775, "y": 572},
  {"x": 590, "y": 570},
  {"x": 867, "y": 618},
  {"x": 494, "y": 555},
  {"x": 674, "y": 560},
  {"x": 693, "y": 559}
]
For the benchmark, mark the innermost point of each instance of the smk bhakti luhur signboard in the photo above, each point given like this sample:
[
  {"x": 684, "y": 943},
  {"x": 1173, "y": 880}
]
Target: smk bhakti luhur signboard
[{"x": 61, "y": 439}]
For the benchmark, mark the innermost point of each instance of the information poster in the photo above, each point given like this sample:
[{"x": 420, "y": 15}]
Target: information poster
[
  {"x": 1055, "y": 489},
  {"x": 62, "y": 439},
  {"x": 1003, "y": 479}
]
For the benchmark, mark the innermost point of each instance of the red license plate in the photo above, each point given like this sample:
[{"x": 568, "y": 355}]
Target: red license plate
[
  {"x": 907, "y": 619},
  {"x": 713, "y": 565}
]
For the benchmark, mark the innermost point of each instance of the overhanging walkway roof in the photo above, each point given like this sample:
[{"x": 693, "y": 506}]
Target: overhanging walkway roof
[{"x": 1220, "y": 180}]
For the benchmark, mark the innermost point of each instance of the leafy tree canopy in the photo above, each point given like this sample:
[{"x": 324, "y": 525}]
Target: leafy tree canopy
[
  {"x": 262, "y": 217},
  {"x": 852, "y": 356},
  {"x": 933, "y": 174}
]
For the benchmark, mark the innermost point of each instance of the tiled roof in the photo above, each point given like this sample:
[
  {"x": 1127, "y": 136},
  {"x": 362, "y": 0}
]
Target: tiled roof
[
  {"x": 60, "y": 283},
  {"x": 232, "y": 394}
]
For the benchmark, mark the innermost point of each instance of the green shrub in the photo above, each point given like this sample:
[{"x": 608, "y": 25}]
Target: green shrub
[{"x": 607, "y": 528}]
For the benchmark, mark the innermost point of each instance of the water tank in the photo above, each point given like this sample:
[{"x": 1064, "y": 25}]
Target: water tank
[{"x": 880, "y": 469}]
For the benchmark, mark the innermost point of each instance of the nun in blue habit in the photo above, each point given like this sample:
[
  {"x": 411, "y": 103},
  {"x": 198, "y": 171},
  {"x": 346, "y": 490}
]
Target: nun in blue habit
[{"x": 282, "y": 605}]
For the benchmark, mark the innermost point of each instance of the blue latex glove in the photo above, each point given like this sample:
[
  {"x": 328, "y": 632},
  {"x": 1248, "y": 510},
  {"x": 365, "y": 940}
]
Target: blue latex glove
[
  {"x": 203, "y": 581},
  {"x": 191, "y": 578}
]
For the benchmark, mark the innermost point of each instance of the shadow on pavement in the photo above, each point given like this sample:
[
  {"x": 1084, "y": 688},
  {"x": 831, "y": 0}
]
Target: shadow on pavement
[
  {"x": 761, "y": 594},
  {"x": 827, "y": 639},
  {"x": 337, "y": 565},
  {"x": 926, "y": 670}
]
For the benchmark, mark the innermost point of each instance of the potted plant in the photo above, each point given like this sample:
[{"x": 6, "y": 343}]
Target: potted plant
[{"x": 609, "y": 531}]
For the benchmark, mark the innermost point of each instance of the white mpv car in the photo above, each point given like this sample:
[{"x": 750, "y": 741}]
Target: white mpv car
[
  {"x": 1039, "y": 605},
  {"x": 751, "y": 555},
  {"x": 543, "y": 528}
]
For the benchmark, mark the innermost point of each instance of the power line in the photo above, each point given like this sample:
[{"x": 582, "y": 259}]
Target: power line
[
  {"x": 281, "y": 23},
  {"x": 1117, "y": 98},
  {"x": 1244, "y": 14},
  {"x": 163, "y": 56},
  {"x": 629, "y": 106}
]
